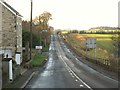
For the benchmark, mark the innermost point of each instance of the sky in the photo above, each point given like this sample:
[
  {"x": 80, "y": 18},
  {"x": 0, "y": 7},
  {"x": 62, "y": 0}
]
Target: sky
[{"x": 72, "y": 14}]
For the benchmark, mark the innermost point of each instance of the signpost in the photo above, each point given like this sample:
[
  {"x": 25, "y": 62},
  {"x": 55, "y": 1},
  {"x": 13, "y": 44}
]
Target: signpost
[
  {"x": 91, "y": 43},
  {"x": 38, "y": 47}
]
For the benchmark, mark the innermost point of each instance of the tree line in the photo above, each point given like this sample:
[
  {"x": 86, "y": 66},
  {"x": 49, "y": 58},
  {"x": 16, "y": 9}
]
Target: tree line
[{"x": 41, "y": 31}]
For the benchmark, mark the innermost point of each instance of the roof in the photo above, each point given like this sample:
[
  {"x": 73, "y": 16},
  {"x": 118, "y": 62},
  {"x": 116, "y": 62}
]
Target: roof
[{"x": 11, "y": 8}]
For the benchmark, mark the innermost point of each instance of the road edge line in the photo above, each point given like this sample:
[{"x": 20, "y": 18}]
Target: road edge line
[{"x": 23, "y": 86}]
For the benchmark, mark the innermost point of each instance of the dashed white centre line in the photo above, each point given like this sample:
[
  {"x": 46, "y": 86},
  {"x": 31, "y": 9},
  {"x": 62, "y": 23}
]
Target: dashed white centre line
[
  {"x": 81, "y": 85},
  {"x": 70, "y": 70},
  {"x": 76, "y": 80},
  {"x": 76, "y": 59}
]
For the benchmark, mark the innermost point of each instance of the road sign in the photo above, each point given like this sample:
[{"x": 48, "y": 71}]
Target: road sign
[
  {"x": 91, "y": 42},
  {"x": 38, "y": 47}
]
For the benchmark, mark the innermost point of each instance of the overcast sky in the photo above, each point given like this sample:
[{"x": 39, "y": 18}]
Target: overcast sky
[{"x": 72, "y": 14}]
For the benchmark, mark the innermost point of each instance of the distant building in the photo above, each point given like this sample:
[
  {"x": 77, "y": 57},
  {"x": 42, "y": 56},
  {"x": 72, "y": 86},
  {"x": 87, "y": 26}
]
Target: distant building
[{"x": 103, "y": 29}]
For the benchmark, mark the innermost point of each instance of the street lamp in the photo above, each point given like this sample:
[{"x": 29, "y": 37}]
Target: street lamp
[{"x": 31, "y": 30}]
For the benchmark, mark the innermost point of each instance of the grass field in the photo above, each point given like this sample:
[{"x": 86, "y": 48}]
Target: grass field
[
  {"x": 106, "y": 44},
  {"x": 99, "y": 35},
  {"x": 104, "y": 41}
]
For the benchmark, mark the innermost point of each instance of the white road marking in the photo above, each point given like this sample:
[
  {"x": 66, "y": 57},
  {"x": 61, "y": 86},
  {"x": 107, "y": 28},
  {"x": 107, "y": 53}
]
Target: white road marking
[
  {"x": 92, "y": 70},
  {"x": 77, "y": 76},
  {"x": 77, "y": 59},
  {"x": 73, "y": 72},
  {"x": 23, "y": 86},
  {"x": 81, "y": 64},
  {"x": 82, "y": 81},
  {"x": 68, "y": 50},
  {"x": 70, "y": 73},
  {"x": 81, "y": 85},
  {"x": 76, "y": 80}
]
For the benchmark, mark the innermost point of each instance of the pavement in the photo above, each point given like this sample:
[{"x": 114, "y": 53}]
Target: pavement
[
  {"x": 20, "y": 81},
  {"x": 25, "y": 76}
]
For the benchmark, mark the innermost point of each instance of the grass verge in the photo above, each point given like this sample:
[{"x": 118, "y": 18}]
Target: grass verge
[
  {"x": 38, "y": 60},
  {"x": 104, "y": 50},
  {"x": 46, "y": 48}
]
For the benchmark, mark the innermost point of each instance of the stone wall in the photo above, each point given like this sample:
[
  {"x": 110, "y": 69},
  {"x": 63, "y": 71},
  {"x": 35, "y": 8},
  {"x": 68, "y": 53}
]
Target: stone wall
[
  {"x": 5, "y": 72},
  {"x": 0, "y": 25},
  {"x": 10, "y": 39},
  {"x": 8, "y": 29},
  {"x": 19, "y": 35},
  {"x": 0, "y": 45}
]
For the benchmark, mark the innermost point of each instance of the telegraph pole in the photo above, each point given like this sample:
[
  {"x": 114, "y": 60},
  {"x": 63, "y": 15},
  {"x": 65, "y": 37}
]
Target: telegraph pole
[{"x": 31, "y": 30}]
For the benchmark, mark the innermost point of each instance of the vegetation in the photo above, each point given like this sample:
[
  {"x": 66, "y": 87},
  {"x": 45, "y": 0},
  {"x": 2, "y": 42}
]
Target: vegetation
[
  {"x": 105, "y": 47},
  {"x": 107, "y": 50},
  {"x": 38, "y": 60},
  {"x": 26, "y": 38},
  {"x": 41, "y": 32},
  {"x": 42, "y": 28},
  {"x": 46, "y": 48}
]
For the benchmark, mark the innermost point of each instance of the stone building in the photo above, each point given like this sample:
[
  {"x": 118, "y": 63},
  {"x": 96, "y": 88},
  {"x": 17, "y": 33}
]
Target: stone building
[
  {"x": 10, "y": 39},
  {"x": 10, "y": 31}
]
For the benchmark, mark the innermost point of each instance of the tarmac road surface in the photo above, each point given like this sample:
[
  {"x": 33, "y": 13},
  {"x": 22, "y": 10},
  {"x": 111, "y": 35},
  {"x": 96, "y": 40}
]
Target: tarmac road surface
[{"x": 64, "y": 70}]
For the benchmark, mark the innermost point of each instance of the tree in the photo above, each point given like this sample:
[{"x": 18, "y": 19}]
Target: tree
[
  {"x": 41, "y": 23},
  {"x": 26, "y": 38},
  {"x": 42, "y": 20},
  {"x": 45, "y": 17}
]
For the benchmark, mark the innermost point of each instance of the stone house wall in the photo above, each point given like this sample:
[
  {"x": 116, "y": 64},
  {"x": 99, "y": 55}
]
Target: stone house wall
[
  {"x": 19, "y": 35},
  {"x": 9, "y": 37},
  {"x": 11, "y": 32},
  {"x": 0, "y": 25}
]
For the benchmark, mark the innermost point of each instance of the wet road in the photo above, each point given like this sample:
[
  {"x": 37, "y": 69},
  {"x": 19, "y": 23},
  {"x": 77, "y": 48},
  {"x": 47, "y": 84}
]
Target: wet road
[{"x": 64, "y": 70}]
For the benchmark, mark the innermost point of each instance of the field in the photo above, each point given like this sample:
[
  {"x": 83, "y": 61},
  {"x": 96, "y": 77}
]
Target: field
[
  {"x": 104, "y": 45},
  {"x": 104, "y": 41}
]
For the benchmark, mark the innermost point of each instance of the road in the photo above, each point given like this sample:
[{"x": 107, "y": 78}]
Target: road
[{"x": 64, "y": 70}]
